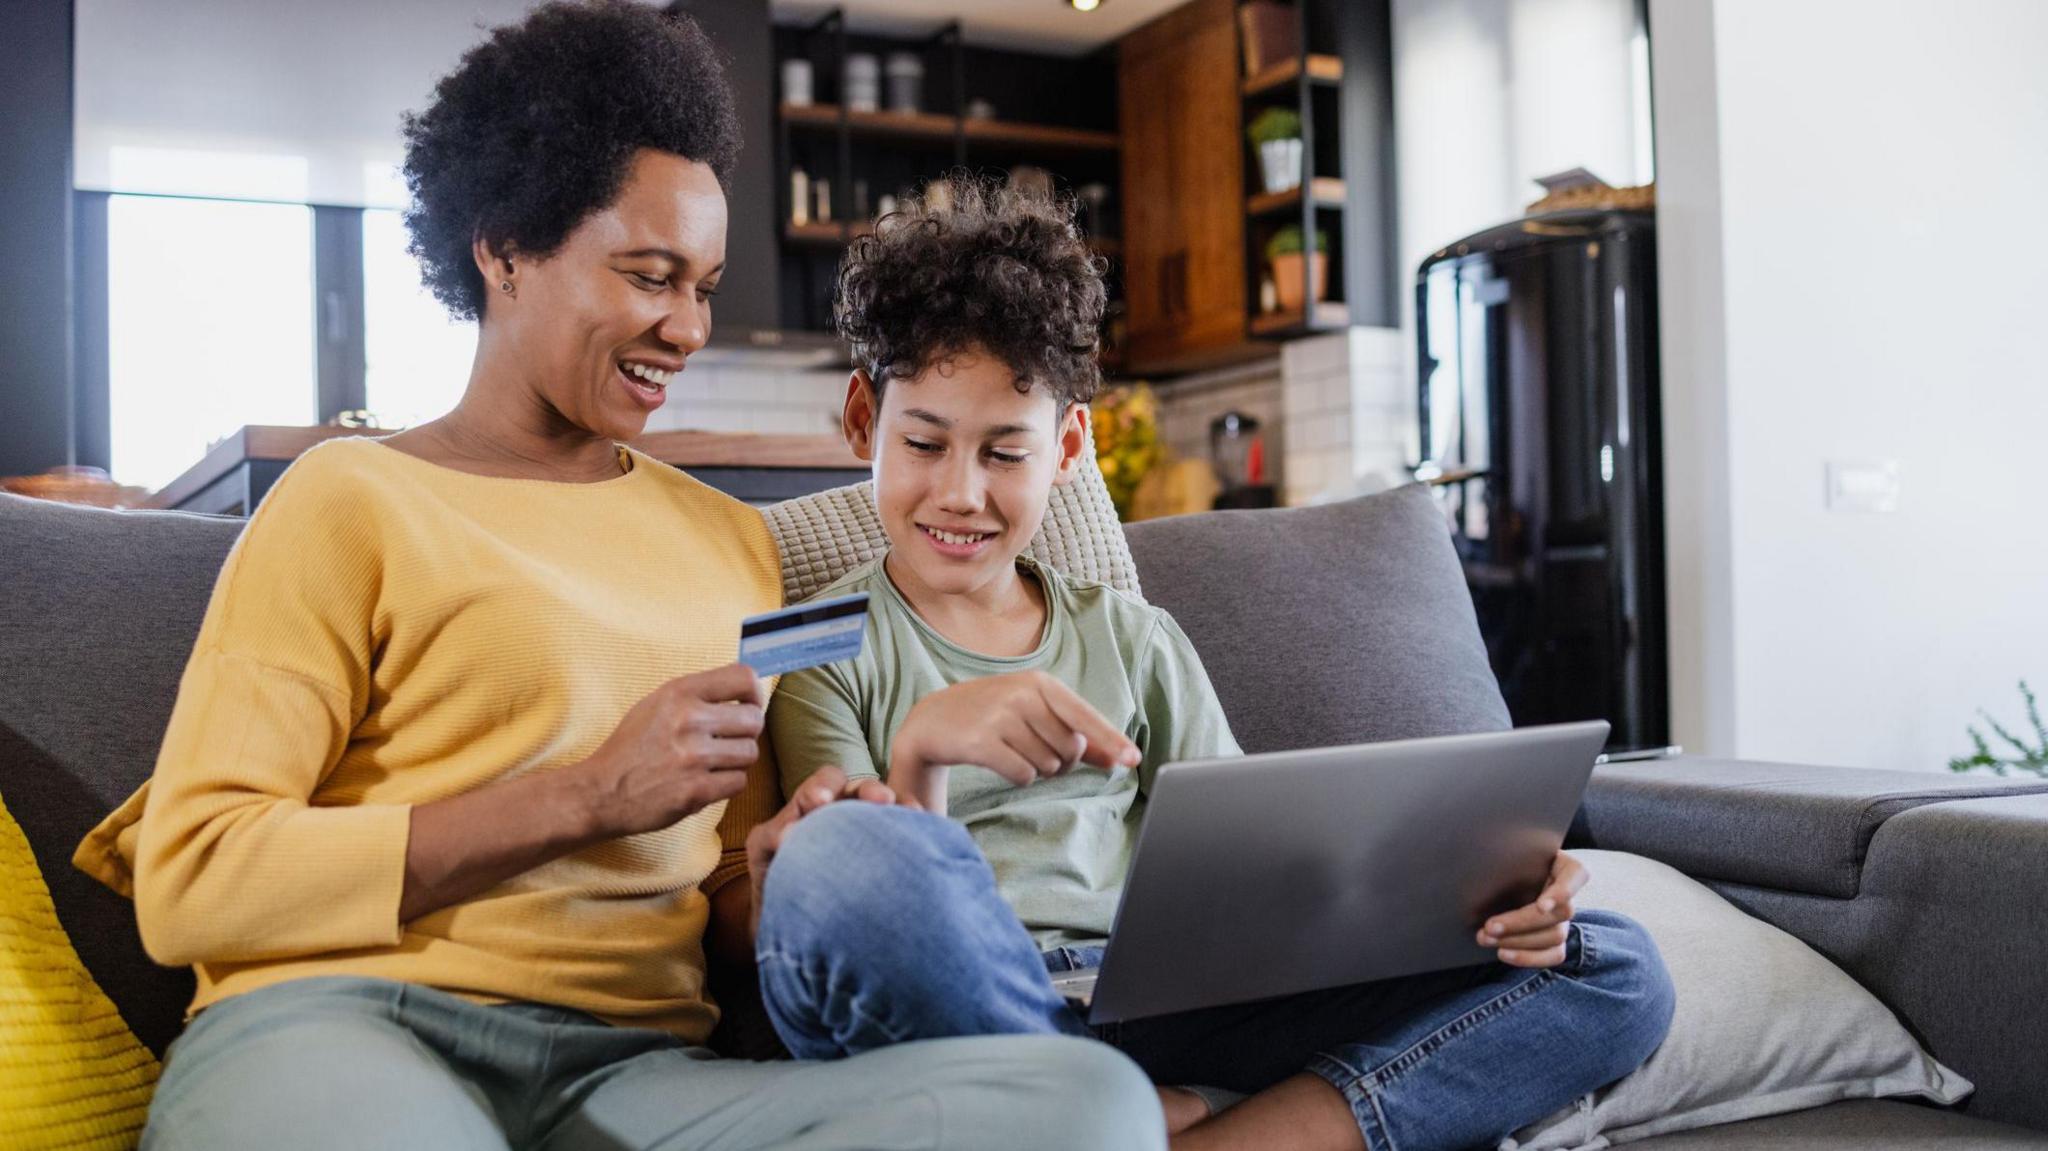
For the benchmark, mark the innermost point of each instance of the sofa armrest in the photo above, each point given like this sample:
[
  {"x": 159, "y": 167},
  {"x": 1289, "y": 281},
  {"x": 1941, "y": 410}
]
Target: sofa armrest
[
  {"x": 1947, "y": 931},
  {"x": 1784, "y": 826},
  {"x": 1924, "y": 887}
]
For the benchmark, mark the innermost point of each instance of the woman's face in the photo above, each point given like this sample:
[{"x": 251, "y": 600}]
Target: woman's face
[{"x": 601, "y": 327}]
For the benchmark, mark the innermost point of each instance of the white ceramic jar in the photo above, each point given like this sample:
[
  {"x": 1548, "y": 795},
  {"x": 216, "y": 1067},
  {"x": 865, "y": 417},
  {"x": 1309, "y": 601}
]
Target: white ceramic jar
[{"x": 863, "y": 82}]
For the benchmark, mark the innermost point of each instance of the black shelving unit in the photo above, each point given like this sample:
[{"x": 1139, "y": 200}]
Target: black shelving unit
[
  {"x": 1056, "y": 113},
  {"x": 1309, "y": 83}
]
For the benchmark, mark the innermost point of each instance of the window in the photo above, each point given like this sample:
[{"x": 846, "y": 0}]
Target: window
[
  {"x": 211, "y": 317},
  {"x": 210, "y": 322},
  {"x": 416, "y": 356}
]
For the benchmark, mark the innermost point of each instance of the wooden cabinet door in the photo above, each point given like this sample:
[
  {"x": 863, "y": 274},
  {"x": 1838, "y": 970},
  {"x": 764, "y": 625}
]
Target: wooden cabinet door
[
  {"x": 1183, "y": 186},
  {"x": 1145, "y": 73},
  {"x": 1206, "y": 114}
]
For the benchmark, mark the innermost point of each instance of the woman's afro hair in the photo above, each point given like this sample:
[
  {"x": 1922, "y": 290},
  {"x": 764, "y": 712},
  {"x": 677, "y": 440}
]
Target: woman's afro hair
[
  {"x": 976, "y": 265},
  {"x": 537, "y": 126}
]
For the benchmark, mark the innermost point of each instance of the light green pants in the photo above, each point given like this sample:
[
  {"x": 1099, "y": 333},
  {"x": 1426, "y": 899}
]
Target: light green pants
[{"x": 360, "y": 1063}]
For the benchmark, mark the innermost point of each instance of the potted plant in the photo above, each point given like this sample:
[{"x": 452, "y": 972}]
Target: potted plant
[
  {"x": 1284, "y": 253},
  {"x": 1276, "y": 133}
]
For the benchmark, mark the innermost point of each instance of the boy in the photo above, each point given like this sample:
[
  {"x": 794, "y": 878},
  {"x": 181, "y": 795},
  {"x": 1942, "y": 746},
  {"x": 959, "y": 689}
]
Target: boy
[{"x": 1033, "y": 710}]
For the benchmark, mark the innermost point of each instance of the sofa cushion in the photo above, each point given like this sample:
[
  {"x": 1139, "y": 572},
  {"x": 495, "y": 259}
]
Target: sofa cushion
[
  {"x": 1763, "y": 1024},
  {"x": 1859, "y": 1125},
  {"x": 101, "y": 611},
  {"x": 1346, "y": 623}
]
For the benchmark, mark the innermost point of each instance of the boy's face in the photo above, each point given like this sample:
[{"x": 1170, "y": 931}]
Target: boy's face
[{"x": 964, "y": 464}]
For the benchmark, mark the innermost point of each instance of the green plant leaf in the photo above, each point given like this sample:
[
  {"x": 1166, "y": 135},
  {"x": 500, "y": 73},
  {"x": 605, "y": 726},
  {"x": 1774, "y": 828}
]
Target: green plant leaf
[
  {"x": 1274, "y": 124},
  {"x": 1287, "y": 241},
  {"x": 2032, "y": 760},
  {"x": 1998, "y": 729},
  {"x": 2034, "y": 714}
]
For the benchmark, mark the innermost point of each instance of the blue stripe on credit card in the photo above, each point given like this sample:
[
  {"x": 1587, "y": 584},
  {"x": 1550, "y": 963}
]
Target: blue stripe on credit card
[{"x": 794, "y": 638}]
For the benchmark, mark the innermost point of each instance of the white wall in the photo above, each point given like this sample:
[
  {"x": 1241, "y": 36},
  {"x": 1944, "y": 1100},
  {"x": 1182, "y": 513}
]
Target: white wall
[
  {"x": 306, "y": 92},
  {"x": 1699, "y": 584},
  {"x": 1853, "y": 255},
  {"x": 1489, "y": 95}
]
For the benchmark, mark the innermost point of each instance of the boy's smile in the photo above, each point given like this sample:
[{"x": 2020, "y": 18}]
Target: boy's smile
[
  {"x": 964, "y": 464},
  {"x": 959, "y": 543}
]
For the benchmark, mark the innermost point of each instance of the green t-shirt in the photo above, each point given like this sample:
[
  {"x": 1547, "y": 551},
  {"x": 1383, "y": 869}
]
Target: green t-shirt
[{"x": 1060, "y": 847}]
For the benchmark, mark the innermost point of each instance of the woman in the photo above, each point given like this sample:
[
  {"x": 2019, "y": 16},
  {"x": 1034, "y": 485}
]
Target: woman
[{"x": 456, "y": 788}]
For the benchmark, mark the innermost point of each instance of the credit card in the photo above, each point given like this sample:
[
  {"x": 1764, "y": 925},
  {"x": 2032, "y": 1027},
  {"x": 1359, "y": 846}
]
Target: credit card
[{"x": 794, "y": 638}]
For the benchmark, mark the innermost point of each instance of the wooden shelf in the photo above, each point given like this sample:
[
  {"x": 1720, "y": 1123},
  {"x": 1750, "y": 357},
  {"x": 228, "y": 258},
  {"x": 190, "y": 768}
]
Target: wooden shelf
[
  {"x": 1327, "y": 190},
  {"x": 836, "y": 233},
  {"x": 695, "y": 449},
  {"x": 915, "y": 125},
  {"x": 1041, "y": 136},
  {"x": 832, "y": 232},
  {"x": 1323, "y": 317},
  {"x": 932, "y": 126},
  {"x": 1322, "y": 69}
]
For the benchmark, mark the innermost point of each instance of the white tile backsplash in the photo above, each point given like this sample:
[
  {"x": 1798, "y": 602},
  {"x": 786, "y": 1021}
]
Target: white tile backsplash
[
  {"x": 1332, "y": 409},
  {"x": 1188, "y": 405},
  {"x": 738, "y": 397},
  {"x": 1315, "y": 355},
  {"x": 1346, "y": 412}
]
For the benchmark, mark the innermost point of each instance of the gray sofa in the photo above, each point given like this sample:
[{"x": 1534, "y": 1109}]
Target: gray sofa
[{"x": 1319, "y": 625}]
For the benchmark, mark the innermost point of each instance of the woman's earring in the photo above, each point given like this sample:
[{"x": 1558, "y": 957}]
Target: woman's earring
[{"x": 505, "y": 286}]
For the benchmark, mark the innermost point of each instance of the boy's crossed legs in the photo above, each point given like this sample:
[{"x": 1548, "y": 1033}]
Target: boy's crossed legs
[{"x": 882, "y": 924}]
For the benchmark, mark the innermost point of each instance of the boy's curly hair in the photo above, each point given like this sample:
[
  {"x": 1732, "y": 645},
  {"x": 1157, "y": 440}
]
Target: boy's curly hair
[
  {"x": 977, "y": 265},
  {"x": 535, "y": 129}
]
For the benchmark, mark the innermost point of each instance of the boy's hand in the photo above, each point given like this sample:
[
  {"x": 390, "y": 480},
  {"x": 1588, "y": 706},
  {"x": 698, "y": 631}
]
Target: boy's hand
[
  {"x": 827, "y": 785},
  {"x": 1534, "y": 936},
  {"x": 1023, "y": 726}
]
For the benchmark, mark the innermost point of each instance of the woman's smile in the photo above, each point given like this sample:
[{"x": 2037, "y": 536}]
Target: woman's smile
[{"x": 646, "y": 383}]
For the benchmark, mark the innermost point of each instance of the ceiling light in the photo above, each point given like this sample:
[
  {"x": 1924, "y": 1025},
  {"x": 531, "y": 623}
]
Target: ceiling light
[{"x": 1085, "y": 5}]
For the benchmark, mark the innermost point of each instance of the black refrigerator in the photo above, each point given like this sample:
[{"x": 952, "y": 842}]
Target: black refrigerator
[{"x": 1540, "y": 433}]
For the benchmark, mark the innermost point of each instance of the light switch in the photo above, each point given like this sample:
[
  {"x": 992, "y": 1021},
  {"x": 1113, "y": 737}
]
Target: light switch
[{"x": 1863, "y": 486}]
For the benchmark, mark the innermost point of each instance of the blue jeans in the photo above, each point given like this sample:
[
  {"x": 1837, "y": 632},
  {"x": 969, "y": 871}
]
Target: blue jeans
[{"x": 881, "y": 925}]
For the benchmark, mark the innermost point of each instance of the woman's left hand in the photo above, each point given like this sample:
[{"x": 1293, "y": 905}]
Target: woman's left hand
[
  {"x": 826, "y": 786},
  {"x": 1534, "y": 935}
]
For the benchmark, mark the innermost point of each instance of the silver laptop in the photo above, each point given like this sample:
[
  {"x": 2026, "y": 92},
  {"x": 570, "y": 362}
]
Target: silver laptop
[{"x": 1268, "y": 875}]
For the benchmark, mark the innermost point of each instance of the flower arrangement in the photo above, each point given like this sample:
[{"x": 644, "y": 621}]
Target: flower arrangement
[{"x": 1125, "y": 419}]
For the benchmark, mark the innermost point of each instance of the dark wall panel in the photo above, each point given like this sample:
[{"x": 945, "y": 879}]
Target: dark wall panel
[
  {"x": 92, "y": 419},
  {"x": 35, "y": 235},
  {"x": 747, "y": 294},
  {"x": 1372, "y": 276}
]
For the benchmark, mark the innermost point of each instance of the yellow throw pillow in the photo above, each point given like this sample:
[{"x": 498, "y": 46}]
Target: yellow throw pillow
[{"x": 72, "y": 1075}]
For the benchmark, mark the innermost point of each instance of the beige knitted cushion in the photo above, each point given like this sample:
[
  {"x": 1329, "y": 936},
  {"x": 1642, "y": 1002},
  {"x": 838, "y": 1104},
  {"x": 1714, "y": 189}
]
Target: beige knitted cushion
[{"x": 826, "y": 535}]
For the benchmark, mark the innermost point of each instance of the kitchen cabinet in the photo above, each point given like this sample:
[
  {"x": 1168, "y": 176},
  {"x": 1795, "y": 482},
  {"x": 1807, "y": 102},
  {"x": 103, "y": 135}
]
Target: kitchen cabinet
[{"x": 1183, "y": 191}]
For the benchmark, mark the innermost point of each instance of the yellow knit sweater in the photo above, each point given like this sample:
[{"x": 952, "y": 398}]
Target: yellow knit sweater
[{"x": 389, "y": 632}]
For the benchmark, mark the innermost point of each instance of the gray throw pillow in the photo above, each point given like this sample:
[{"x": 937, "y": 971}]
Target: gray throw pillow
[
  {"x": 100, "y": 613},
  {"x": 1346, "y": 623},
  {"x": 1763, "y": 1025}
]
